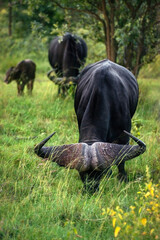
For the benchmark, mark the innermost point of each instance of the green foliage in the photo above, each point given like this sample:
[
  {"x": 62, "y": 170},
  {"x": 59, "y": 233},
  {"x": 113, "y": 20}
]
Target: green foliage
[
  {"x": 28, "y": 16},
  {"x": 134, "y": 28},
  {"x": 44, "y": 14},
  {"x": 135, "y": 32},
  {"x": 3, "y": 22},
  {"x": 21, "y": 20},
  {"x": 151, "y": 70}
]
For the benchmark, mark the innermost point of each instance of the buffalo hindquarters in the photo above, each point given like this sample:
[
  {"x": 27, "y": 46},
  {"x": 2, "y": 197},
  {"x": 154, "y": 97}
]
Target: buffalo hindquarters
[
  {"x": 105, "y": 101},
  {"x": 66, "y": 55}
]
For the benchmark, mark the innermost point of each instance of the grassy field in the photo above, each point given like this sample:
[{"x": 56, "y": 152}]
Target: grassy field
[{"x": 39, "y": 200}]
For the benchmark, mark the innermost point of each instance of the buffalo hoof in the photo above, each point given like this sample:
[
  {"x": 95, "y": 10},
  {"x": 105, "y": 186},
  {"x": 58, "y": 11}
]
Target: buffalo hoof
[
  {"x": 123, "y": 177},
  {"x": 91, "y": 188}
]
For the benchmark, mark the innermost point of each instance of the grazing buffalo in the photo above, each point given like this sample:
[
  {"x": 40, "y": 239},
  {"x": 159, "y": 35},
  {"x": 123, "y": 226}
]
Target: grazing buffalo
[
  {"x": 105, "y": 101},
  {"x": 23, "y": 73},
  {"x": 66, "y": 55}
]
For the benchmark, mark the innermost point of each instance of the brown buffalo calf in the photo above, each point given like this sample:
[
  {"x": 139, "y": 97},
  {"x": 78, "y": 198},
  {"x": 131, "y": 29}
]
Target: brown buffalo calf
[{"x": 23, "y": 73}]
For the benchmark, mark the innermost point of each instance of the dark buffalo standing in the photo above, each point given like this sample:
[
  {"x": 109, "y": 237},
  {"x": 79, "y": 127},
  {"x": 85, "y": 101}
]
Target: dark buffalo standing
[
  {"x": 105, "y": 101},
  {"x": 66, "y": 55},
  {"x": 23, "y": 73}
]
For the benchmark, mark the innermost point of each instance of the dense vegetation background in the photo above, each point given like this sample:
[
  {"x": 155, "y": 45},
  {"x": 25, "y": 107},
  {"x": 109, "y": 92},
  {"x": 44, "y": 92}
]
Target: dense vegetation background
[{"x": 39, "y": 200}]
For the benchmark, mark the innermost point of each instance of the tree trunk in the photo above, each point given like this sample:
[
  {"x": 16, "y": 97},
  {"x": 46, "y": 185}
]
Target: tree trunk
[
  {"x": 138, "y": 59},
  {"x": 112, "y": 27},
  {"x": 140, "y": 48},
  {"x": 107, "y": 31},
  {"x": 10, "y": 19}
]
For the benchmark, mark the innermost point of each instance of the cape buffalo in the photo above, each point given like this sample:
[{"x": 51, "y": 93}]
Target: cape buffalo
[
  {"x": 105, "y": 101},
  {"x": 23, "y": 73},
  {"x": 66, "y": 55}
]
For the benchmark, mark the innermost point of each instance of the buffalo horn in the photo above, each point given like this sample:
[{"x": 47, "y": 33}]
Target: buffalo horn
[
  {"x": 83, "y": 157},
  {"x": 72, "y": 155},
  {"x": 48, "y": 74},
  {"x": 109, "y": 154}
]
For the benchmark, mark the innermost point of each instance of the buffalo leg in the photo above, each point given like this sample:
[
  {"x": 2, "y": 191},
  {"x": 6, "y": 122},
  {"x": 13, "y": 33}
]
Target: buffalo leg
[
  {"x": 63, "y": 90},
  {"x": 123, "y": 139},
  {"x": 30, "y": 86},
  {"x": 91, "y": 180},
  {"x": 122, "y": 175},
  {"x": 20, "y": 88},
  {"x": 59, "y": 89}
]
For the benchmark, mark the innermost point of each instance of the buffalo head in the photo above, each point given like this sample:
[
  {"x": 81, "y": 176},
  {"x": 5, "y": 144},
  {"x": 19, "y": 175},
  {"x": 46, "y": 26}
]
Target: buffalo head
[
  {"x": 12, "y": 74},
  {"x": 9, "y": 75},
  {"x": 83, "y": 157}
]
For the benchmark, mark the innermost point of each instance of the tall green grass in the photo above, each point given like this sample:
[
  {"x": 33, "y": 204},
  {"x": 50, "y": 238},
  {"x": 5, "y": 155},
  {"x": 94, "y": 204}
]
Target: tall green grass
[{"x": 39, "y": 200}]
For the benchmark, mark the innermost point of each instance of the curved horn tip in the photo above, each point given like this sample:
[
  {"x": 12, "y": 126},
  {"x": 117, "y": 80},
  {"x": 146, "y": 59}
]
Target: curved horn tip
[
  {"x": 48, "y": 73},
  {"x": 130, "y": 135},
  {"x": 52, "y": 134},
  {"x": 127, "y": 132},
  {"x": 40, "y": 145},
  {"x": 140, "y": 143}
]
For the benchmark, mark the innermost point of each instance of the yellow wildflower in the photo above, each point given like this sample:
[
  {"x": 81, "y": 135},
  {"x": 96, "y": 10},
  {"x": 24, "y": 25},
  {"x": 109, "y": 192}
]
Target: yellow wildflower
[
  {"x": 147, "y": 194},
  {"x": 121, "y": 210},
  {"x": 120, "y": 216},
  {"x": 152, "y": 192},
  {"x": 108, "y": 210},
  {"x": 116, "y": 232},
  {"x": 152, "y": 230},
  {"x": 103, "y": 211},
  {"x": 75, "y": 231},
  {"x": 132, "y": 207},
  {"x": 113, "y": 212},
  {"x": 154, "y": 209},
  {"x": 144, "y": 221},
  {"x": 3, "y": 11},
  {"x": 128, "y": 227},
  {"x": 114, "y": 222},
  {"x": 149, "y": 186}
]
